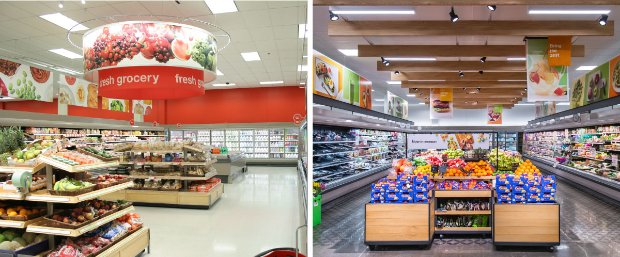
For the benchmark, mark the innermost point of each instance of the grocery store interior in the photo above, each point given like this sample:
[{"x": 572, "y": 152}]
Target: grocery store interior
[
  {"x": 153, "y": 128},
  {"x": 483, "y": 128}
]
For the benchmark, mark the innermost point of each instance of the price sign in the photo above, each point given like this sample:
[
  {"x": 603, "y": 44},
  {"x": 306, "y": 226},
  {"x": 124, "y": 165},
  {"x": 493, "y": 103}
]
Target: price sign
[
  {"x": 560, "y": 51},
  {"x": 614, "y": 160}
]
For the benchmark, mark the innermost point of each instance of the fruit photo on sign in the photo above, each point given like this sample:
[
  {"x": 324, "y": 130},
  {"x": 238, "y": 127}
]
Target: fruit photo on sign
[{"x": 597, "y": 81}]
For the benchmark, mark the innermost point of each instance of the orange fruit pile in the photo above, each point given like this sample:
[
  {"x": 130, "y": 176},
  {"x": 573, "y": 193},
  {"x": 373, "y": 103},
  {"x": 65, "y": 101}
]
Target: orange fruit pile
[
  {"x": 454, "y": 172},
  {"x": 478, "y": 169},
  {"x": 527, "y": 167}
]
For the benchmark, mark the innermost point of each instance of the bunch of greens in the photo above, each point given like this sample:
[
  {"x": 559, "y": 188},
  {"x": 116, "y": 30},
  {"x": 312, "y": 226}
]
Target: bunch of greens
[
  {"x": 204, "y": 52},
  {"x": 11, "y": 140}
]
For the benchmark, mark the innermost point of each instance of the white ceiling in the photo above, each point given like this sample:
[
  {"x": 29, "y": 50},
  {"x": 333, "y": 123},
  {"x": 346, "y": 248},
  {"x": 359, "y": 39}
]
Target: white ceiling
[
  {"x": 269, "y": 28},
  {"x": 598, "y": 49}
]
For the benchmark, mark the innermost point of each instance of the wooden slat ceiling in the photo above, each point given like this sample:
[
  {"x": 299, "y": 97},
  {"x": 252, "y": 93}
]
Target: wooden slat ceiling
[
  {"x": 447, "y": 66},
  {"x": 459, "y": 2},
  {"x": 454, "y": 76},
  {"x": 470, "y": 28},
  {"x": 450, "y": 50},
  {"x": 463, "y": 84}
]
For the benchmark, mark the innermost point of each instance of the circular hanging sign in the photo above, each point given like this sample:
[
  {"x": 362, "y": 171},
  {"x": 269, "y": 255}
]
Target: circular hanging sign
[{"x": 149, "y": 59}]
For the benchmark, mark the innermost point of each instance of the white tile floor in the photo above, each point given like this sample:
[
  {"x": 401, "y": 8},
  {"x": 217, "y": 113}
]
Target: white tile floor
[{"x": 259, "y": 212}]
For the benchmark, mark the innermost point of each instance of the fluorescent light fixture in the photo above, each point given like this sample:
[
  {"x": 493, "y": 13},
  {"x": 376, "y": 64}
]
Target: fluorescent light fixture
[
  {"x": 524, "y": 104},
  {"x": 427, "y": 80},
  {"x": 134, "y": 126},
  {"x": 394, "y": 82},
  {"x": 65, "y": 70},
  {"x": 218, "y": 72},
  {"x": 586, "y": 67},
  {"x": 64, "y": 22},
  {"x": 271, "y": 82},
  {"x": 421, "y": 103},
  {"x": 302, "y": 67},
  {"x": 373, "y": 90},
  {"x": 302, "y": 83},
  {"x": 374, "y": 12},
  {"x": 515, "y": 59},
  {"x": 250, "y": 56},
  {"x": 348, "y": 52},
  {"x": 562, "y": 104},
  {"x": 66, "y": 53},
  {"x": 221, "y": 6},
  {"x": 414, "y": 59},
  {"x": 379, "y": 100},
  {"x": 224, "y": 85},
  {"x": 510, "y": 80},
  {"x": 411, "y": 95},
  {"x": 302, "y": 30},
  {"x": 569, "y": 11},
  {"x": 348, "y": 121}
]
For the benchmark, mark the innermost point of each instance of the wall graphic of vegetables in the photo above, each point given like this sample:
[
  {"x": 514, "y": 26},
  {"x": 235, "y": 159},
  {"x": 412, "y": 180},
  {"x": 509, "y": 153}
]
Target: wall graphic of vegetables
[{"x": 204, "y": 52}]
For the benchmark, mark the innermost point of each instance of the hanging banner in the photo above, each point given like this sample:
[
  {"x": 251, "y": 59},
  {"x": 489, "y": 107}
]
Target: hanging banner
[
  {"x": 544, "y": 109},
  {"x": 149, "y": 59},
  {"x": 597, "y": 81},
  {"x": 78, "y": 92},
  {"x": 494, "y": 114},
  {"x": 614, "y": 83},
  {"x": 442, "y": 105},
  {"x": 142, "y": 107},
  {"x": 396, "y": 106},
  {"x": 578, "y": 92},
  {"x": 544, "y": 82},
  {"x": 25, "y": 82},
  {"x": 335, "y": 81},
  {"x": 559, "y": 52},
  {"x": 120, "y": 105},
  {"x": 463, "y": 141}
]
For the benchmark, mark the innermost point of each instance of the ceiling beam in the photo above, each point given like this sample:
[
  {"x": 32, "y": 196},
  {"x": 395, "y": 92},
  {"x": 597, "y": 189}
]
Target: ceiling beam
[
  {"x": 533, "y": 28},
  {"x": 459, "y": 2},
  {"x": 469, "y": 76},
  {"x": 451, "y": 51},
  {"x": 442, "y": 66},
  {"x": 463, "y": 84}
]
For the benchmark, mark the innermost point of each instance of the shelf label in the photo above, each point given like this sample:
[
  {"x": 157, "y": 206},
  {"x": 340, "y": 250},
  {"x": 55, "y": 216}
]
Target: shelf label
[{"x": 614, "y": 160}]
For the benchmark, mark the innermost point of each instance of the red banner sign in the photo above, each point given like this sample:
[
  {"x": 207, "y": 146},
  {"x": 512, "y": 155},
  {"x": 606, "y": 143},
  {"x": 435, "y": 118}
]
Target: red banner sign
[{"x": 144, "y": 82}]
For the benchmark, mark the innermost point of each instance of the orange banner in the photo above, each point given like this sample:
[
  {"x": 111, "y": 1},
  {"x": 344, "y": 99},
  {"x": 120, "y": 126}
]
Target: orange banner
[{"x": 559, "y": 51}]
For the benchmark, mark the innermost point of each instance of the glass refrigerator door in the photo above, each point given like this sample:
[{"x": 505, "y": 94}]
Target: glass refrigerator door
[
  {"x": 261, "y": 143},
  {"x": 276, "y": 143},
  {"x": 176, "y": 135},
  {"x": 291, "y": 143},
  {"x": 218, "y": 138},
  {"x": 232, "y": 140},
  {"x": 246, "y": 142},
  {"x": 204, "y": 136},
  {"x": 189, "y": 135}
]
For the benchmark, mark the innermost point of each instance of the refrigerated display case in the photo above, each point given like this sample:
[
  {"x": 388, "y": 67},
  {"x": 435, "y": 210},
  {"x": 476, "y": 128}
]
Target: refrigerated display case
[
  {"x": 507, "y": 141},
  {"x": 276, "y": 143},
  {"x": 190, "y": 135},
  {"x": 176, "y": 135},
  {"x": 204, "y": 136},
  {"x": 232, "y": 140},
  {"x": 218, "y": 138},
  {"x": 246, "y": 142}
]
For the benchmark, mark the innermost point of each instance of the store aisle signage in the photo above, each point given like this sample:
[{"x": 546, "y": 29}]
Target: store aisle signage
[
  {"x": 396, "y": 106},
  {"x": 25, "y": 82},
  {"x": 333, "y": 80},
  {"x": 78, "y": 92},
  {"x": 559, "y": 50},
  {"x": 495, "y": 114},
  {"x": 601, "y": 83},
  {"x": 544, "y": 82},
  {"x": 442, "y": 103},
  {"x": 149, "y": 60},
  {"x": 463, "y": 141}
]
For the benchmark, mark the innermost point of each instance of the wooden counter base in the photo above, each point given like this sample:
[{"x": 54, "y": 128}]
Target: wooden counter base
[
  {"x": 200, "y": 200},
  {"x": 526, "y": 224},
  {"x": 398, "y": 224}
]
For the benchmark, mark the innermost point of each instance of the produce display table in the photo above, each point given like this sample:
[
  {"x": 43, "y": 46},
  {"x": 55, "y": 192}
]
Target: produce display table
[
  {"x": 229, "y": 166},
  {"x": 398, "y": 224},
  {"x": 526, "y": 224},
  {"x": 199, "y": 200}
]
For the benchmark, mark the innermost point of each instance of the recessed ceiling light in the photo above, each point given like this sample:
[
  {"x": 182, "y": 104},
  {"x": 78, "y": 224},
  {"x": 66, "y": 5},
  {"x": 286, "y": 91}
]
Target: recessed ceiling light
[
  {"x": 218, "y": 72},
  {"x": 305, "y": 56},
  {"x": 569, "y": 11},
  {"x": 64, "y": 22},
  {"x": 562, "y": 103},
  {"x": 411, "y": 59},
  {"x": 302, "y": 67},
  {"x": 394, "y": 82},
  {"x": 374, "y": 12},
  {"x": 65, "y": 70},
  {"x": 250, "y": 56},
  {"x": 348, "y": 121},
  {"x": 66, "y": 53},
  {"x": 271, "y": 82},
  {"x": 411, "y": 95},
  {"x": 348, "y": 52},
  {"x": 586, "y": 67},
  {"x": 422, "y": 103},
  {"x": 379, "y": 100},
  {"x": 221, "y": 6},
  {"x": 515, "y": 59},
  {"x": 224, "y": 84},
  {"x": 302, "y": 83},
  {"x": 302, "y": 30},
  {"x": 373, "y": 90}
]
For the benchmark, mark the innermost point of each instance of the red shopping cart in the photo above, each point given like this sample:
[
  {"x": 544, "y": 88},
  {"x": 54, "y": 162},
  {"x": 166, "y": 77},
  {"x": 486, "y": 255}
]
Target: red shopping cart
[{"x": 281, "y": 252}]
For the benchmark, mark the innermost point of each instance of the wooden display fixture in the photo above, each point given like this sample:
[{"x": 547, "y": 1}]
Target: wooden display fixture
[
  {"x": 462, "y": 193},
  {"x": 526, "y": 224},
  {"x": 462, "y": 229},
  {"x": 45, "y": 196},
  {"x": 42, "y": 227},
  {"x": 439, "y": 213},
  {"x": 398, "y": 224},
  {"x": 18, "y": 224},
  {"x": 207, "y": 163},
  {"x": 11, "y": 195},
  {"x": 12, "y": 169},
  {"x": 77, "y": 168},
  {"x": 166, "y": 198},
  {"x": 130, "y": 246}
]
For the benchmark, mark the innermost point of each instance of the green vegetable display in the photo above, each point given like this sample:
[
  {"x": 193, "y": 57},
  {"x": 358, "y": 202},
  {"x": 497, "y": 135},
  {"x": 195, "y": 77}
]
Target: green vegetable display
[
  {"x": 504, "y": 160},
  {"x": 11, "y": 140},
  {"x": 97, "y": 152},
  {"x": 117, "y": 105},
  {"x": 454, "y": 153},
  {"x": 204, "y": 52},
  {"x": 69, "y": 184}
]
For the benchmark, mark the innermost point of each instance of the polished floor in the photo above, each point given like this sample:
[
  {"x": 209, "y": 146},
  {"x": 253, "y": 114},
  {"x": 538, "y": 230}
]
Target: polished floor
[
  {"x": 589, "y": 227},
  {"x": 260, "y": 211}
]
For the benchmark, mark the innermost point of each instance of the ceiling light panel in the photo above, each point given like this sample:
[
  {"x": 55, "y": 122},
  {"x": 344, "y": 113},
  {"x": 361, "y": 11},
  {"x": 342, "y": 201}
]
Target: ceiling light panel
[
  {"x": 63, "y": 21},
  {"x": 66, "y": 53},
  {"x": 221, "y": 6},
  {"x": 302, "y": 67},
  {"x": 394, "y": 82},
  {"x": 302, "y": 30},
  {"x": 271, "y": 82},
  {"x": 515, "y": 59},
  {"x": 224, "y": 85},
  {"x": 250, "y": 56},
  {"x": 571, "y": 12},
  {"x": 348, "y": 52},
  {"x": 586, "y": 67},
  {"x": 374, "y": 12},
  {"x": 414, "y": 59}
]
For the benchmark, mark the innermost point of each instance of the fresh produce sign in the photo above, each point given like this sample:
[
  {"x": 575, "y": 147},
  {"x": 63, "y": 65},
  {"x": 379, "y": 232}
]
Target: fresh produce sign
[
  {"x": 142, "y": 107},
  {"x": 25, "y": 82},
  {"x": 494, "y": 114},
  {"x": 78, "y": 92},
  {"x": 333, "y": 80},
  {"x": 149, "y": 60},
  {"x": 544, "y": 82},
  {"x": 463, "y": 141},
  {"x": 119, "y": 105},
  {"x": 396, "y": 106},
  {"x": 597, "y": 82}
]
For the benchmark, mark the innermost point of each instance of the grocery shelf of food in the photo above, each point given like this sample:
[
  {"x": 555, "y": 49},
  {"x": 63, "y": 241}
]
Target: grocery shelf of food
[
  {"x": 507, "y": 141},
  {"x": 38, "y": 225},
  {"x": 437, "y": 195},
  {"x": 170, "y": 174}
]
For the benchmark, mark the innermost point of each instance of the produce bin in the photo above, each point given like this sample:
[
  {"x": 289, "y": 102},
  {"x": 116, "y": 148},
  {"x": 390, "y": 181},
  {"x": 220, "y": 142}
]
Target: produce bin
[
  {"x": 316, "y": 210},
  {"x": 526, "y": 224},
  {"x": 398, "y": 224}
]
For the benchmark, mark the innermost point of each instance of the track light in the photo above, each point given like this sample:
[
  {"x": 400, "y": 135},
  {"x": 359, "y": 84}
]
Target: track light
[
  {"x": 603, "y": 20},
  {"x": 492, "y": 7},
  {"x": 483, "y": 59},
  {"x": 461, "y": 74},
  {"x": 333, "y": 16},
  {"x": 384, "y": 61},
  {"x": 481, "y": 72},
  {"x": 396, "y": 72},
  {"x": 453, "y": 16},
  {"x": 83, "y": 1},
  {"x": 60, "y": 5}
]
